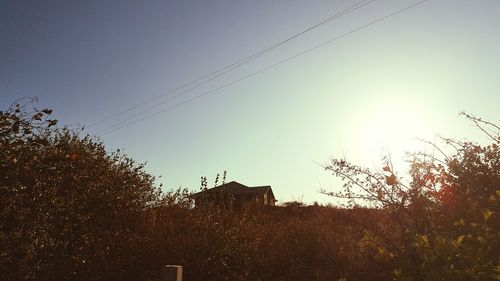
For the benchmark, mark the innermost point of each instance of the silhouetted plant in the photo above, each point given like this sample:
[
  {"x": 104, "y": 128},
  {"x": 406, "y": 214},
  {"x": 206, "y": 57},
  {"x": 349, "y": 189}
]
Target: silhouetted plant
[
  {"x": 443, "y": 218},
  {"x": 69, "y": 210}
]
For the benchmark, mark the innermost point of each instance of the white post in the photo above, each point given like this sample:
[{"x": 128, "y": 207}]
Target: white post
[{"x": 171, "y": 273}]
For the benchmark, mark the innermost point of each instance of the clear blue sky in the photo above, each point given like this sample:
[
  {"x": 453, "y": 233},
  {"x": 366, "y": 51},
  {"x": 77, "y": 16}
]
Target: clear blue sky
[{"x": 411, "y": 75}]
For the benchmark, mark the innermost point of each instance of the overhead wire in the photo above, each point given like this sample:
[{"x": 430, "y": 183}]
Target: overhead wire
[
  {"x": 220, "y": 72},
  {"x": 113, "y": 129}
]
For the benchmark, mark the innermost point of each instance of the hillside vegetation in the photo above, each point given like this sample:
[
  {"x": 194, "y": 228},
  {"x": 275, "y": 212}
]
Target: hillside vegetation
[{"x": 70, "y": 210}]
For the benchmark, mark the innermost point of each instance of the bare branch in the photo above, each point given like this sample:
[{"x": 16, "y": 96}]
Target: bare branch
[
  {"x": 479, "y": 123},
  {"x": 435, "y": 146}
]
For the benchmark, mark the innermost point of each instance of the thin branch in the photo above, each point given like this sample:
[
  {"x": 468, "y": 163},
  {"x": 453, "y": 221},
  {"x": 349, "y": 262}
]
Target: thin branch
[
  {"x": 416, "y": 157},
  {"x": 355, "y": 182},
  {"x": 479, "y": 121},
  {"x": 435, "y": 146}
]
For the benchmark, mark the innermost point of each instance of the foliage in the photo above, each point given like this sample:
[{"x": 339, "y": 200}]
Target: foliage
[
  {"x": 68, "y": 209},
  {"x": 445, "y": 217},
  {"x": 280, "y": 243}
]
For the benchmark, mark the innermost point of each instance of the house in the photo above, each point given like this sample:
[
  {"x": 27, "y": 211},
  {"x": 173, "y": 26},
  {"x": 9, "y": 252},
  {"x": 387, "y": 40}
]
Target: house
[{"x": 235, "y": 194}]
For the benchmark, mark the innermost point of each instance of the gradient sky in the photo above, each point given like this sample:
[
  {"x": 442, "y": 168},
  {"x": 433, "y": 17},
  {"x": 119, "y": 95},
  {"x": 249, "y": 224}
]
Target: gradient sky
[{"x": 405, "y": 77}]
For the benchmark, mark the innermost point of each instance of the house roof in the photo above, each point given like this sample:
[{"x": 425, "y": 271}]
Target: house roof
[
  {"x": 263, "y": 189},
  {"x": 236, "y": 188}
]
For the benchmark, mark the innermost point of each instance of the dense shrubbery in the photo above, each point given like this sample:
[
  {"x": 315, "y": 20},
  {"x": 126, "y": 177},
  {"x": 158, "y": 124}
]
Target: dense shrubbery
[
  {"x": 281, "y": 243},
  {"x": 69, "y": 210},
  {"x": 446, "y": 217}
]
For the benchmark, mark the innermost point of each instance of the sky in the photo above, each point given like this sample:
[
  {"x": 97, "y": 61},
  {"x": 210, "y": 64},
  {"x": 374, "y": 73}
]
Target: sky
[{"x": 370, "y": 91}]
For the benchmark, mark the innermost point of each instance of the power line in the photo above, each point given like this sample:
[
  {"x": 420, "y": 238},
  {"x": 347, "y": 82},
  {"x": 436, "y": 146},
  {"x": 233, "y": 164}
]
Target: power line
[
  {"x": 110, "y": 130},
  {"x": 216, "y": 74}
]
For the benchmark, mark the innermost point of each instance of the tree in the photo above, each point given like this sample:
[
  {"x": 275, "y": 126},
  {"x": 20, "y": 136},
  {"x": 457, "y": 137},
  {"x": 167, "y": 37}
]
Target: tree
[
  {"x": 444, "y": 218},
  {"x": 69, "y": 210}
]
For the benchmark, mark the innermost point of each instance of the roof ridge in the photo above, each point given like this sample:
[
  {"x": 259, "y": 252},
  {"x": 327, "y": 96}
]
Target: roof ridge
[{"x": 232, "y": 182}]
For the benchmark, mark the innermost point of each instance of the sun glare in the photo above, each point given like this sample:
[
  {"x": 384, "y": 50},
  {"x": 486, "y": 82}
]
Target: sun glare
[{"x": 392, "y": 127}]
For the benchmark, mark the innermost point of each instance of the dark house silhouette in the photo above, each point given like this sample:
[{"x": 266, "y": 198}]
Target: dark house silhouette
[{"x": 235, "y": 194}]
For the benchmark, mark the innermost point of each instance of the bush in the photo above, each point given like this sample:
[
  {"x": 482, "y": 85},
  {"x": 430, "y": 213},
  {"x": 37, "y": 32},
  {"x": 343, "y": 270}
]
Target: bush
[
  {"x": 445, "y": 219},
  {"x": 69, "y": 210}
]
